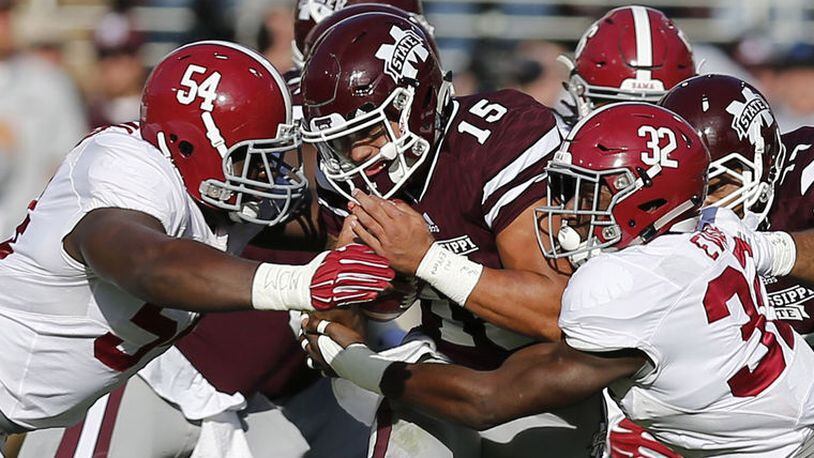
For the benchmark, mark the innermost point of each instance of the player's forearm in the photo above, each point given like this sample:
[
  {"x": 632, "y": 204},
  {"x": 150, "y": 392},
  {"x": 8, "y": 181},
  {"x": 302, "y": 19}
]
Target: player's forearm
[
  {"x": 804, "y": 263},
  {"x": 188, "y": 275},
  {"x": 452, "y": 392},
  {"x": 536, "y": 379},
  {"x": 524, "y": 302}
]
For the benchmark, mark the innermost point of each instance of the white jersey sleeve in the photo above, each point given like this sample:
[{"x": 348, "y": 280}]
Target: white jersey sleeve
[
  {"x": 613, "y": 304},
  {"x": 118, "y": 171}
]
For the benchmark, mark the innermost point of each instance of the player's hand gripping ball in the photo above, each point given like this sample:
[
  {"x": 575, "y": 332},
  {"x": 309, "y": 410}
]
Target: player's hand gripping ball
[{"x": 391, "y": 304}]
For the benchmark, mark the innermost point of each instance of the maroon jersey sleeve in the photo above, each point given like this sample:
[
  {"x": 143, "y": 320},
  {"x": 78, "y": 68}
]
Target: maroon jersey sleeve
[
  {"x": 523, "y": 135},
  {"x": 250, "y": 351},
  {"x": 793, "y": 206},
  {"x": 793, "y": 210}
]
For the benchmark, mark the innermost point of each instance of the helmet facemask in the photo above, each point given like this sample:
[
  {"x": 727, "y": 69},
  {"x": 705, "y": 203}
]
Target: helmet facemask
[
  {"x": 399, "y": 158},
  {"x": 588, "y": 97},
  {"x": 264, "y": 179},
  {"x": 754, "y": 187},
  {"x": 584, "y": 201},
  {"x": 585, "y": 218}
]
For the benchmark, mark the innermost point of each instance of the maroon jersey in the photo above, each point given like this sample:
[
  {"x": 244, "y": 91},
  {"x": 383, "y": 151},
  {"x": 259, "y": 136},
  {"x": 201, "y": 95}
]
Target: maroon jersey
[
  {"x": 793, "y": 210},
  {"x": 487, "y": 170}
]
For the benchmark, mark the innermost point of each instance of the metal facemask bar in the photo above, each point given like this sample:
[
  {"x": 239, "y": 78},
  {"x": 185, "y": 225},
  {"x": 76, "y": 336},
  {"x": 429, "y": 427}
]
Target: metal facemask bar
[
  {"x": 267, "y": 201},
  {"x": 749, "y": 185},
  {"x": 565, "y": 242},
  {"x": 586, "y": 96},
  {"x": 334, "y": 143}
]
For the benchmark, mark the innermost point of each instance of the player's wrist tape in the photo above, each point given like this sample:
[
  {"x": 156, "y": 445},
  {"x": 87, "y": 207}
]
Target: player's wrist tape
[
  {"x": 357, "y": 363},
  {"x": 284, "y": 287},
  {"x": 452, "y": 274},
  {"x": 784, "y": 252}
]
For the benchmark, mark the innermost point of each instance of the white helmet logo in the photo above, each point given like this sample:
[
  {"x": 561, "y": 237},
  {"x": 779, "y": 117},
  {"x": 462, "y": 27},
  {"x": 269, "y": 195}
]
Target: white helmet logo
[
  {"x": 402, "y": 57},
  {"x": 748, "y": 117}
]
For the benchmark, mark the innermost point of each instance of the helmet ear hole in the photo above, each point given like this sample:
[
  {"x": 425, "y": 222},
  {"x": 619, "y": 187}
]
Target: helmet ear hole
[
  {"x": 186, "y": 148},
  {"x": 653, "y": 205}
]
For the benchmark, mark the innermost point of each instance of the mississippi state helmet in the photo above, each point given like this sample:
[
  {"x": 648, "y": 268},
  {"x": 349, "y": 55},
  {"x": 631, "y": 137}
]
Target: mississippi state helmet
[
  {"x": 352, "y": 10},
  {"x": 741, "y": 133},
  {"x": 633, "y": 53},
  {"x": 312, "y": 12},
  {"x": 222, "y": 113},
  {"x": 373, "y": 75},
  {"x": 626, "y": 174}
]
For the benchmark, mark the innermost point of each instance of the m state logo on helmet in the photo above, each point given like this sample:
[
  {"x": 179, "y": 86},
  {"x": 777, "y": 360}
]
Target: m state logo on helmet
[
  {"x": 632, "y": 53},
  {"x": 626, "y": 174},
  {"x": 373, "y": 74},
  {"x": 408, "y": 9},
  {"x": 310, "y": 13},
  {"x": 742, "y": 134},
  {"x": 222, "y": 114},
  {"x": 402, "y": 58}
]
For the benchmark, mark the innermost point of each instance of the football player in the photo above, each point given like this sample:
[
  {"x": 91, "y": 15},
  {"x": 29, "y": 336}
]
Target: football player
[
  {"x": 467, "y": 172},
  {"x": 633, "y": 53},
  {"x": 124, "y": 248},
  {"x": 762, "y": 175},
  {"x": 269, "y": 388},
  {"x": 665, "y": 308}
]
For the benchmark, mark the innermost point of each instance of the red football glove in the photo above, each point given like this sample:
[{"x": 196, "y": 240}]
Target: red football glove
[
  {"x": 629, "y": 440},
  {"x": 349, "y": 275}
]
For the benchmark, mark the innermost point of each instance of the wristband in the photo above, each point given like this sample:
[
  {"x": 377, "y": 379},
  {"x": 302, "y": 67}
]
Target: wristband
[
  {"x": 284, "y": 287},
  {"x": 784, "y": 252},
  {"x": 453, "y": 275},
  {"x": 357, "y": 363}
]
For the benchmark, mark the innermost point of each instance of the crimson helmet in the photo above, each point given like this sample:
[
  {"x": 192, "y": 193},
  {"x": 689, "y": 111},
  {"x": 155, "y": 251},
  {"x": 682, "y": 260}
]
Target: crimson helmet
[
  {"x": 213, "y": 105},
  {"x": 366, "y": 73},
  {"x": 633, "y": 53},
  {"x": 353, "y": 10},
  {"x": 628, "y": 172},
  {"x": 312, "y": 12},
  {"x": 737, "y": 125}
]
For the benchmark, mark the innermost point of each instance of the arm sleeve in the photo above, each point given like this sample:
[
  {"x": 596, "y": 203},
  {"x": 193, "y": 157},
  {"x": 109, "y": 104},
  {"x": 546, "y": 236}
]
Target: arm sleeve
[
  {"x": 610, "y": 305},
  {"x": 110, "y": 175},
  {"x": 518, "y": 153}
]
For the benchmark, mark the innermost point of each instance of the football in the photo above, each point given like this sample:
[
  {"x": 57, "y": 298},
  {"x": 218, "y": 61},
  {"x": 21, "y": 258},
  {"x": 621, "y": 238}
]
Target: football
[{"x": 390, "y": 306}]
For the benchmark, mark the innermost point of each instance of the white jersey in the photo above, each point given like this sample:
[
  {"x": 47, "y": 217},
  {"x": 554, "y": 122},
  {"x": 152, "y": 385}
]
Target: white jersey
[
  {"x": 67, "y": 336},
  {"x": 724, "y": 379}
]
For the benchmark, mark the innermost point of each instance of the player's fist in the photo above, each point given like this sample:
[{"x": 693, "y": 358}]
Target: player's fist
[{"x": 350, "y": 275}]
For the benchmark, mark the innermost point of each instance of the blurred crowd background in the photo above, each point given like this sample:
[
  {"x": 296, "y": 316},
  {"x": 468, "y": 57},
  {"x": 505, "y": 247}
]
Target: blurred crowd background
[{"x": 67, "y": 66}]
